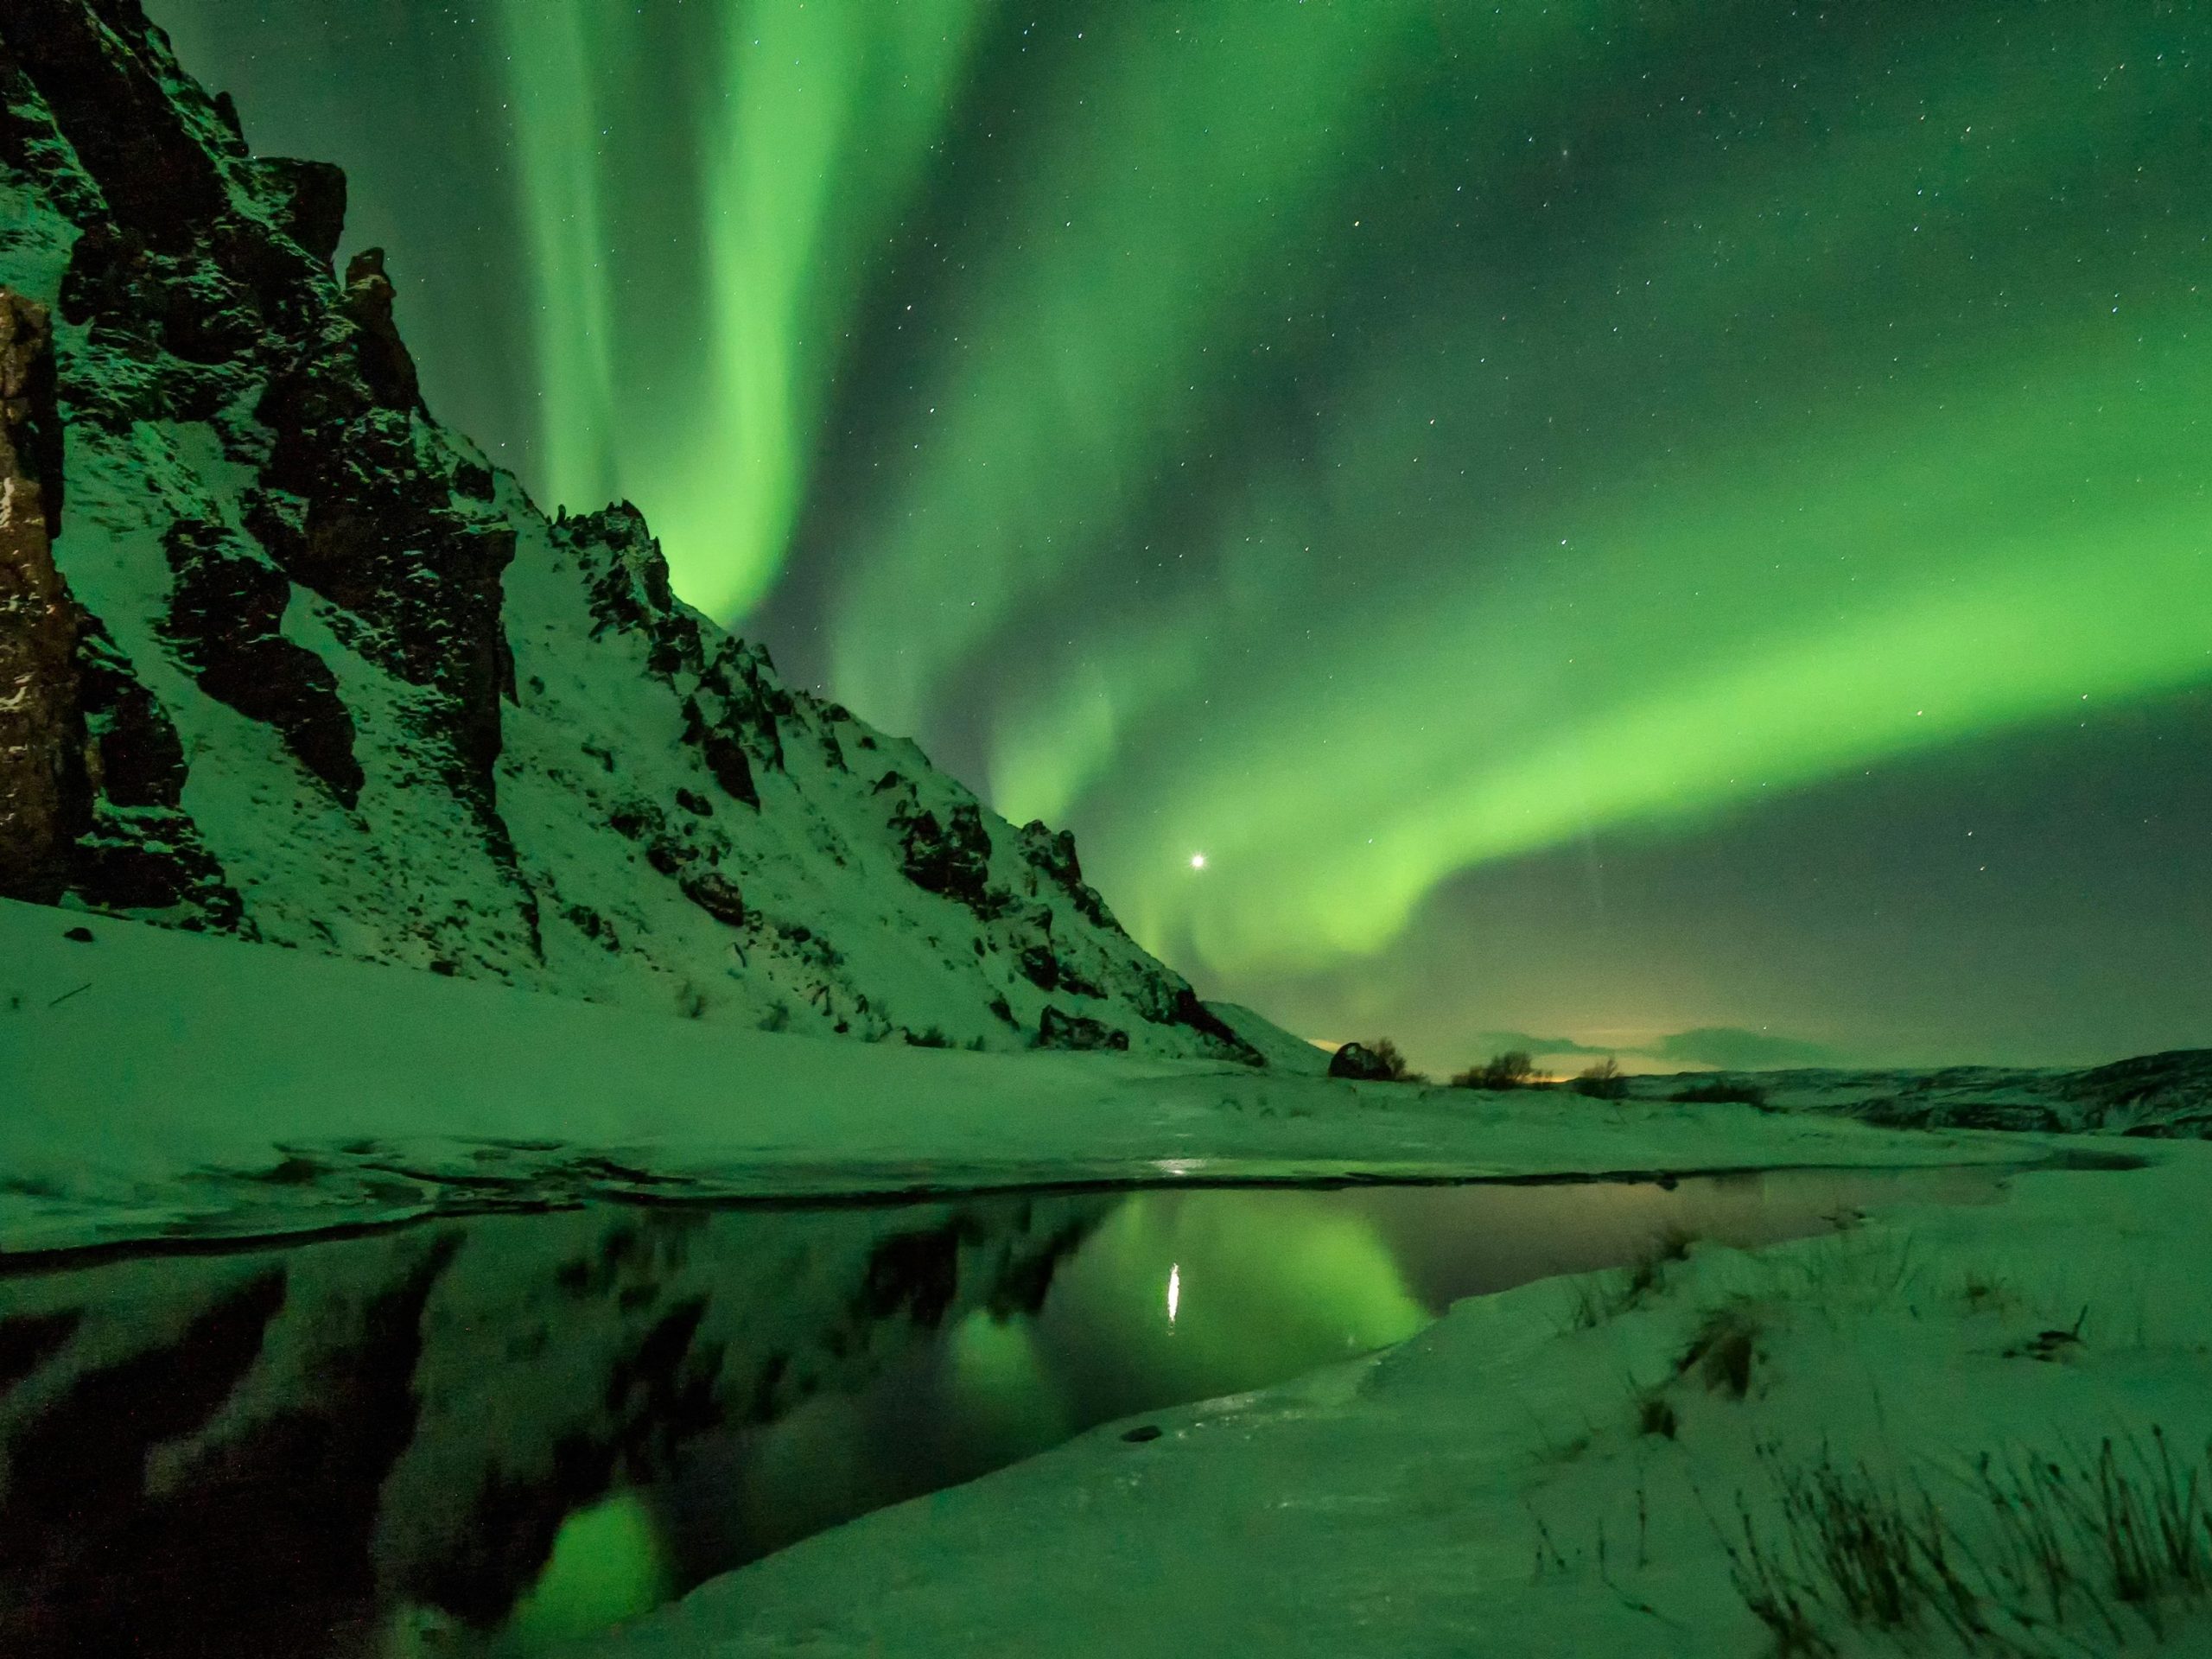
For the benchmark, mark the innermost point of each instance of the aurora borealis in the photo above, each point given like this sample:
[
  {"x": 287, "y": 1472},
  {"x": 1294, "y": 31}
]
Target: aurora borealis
[{"x": 1594, "y": 519}]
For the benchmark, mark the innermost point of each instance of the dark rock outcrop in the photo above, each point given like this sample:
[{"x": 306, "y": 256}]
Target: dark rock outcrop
[
  {"x": 142, "y": 852},
  {"x": 91, "y": 771},
  {"x": 1359, "y": 1063},
  {"x": 952, "y": 857},
  {"x": 386, "y": 365},
  {"x": 1057, "y": 1030},
  {"x": 1053, "y": 852},
  {"x": 314, "y": 195},
  {"x": 227, "y": 620},
  {"x": 1189, "y": 1011},
  {"x": 354, "y": 507},
  {"x": 1041, "y": 967},
  {"x": 135, "y": 140},
  {"x": 717, "y": 895}
]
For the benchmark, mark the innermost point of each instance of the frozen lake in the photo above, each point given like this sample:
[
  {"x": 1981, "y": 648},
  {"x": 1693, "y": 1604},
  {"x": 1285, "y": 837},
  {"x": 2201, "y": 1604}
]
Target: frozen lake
[{"x": 482, "y": 1436}]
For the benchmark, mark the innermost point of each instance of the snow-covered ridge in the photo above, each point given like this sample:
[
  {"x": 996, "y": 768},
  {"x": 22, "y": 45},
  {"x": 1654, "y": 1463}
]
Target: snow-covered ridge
[
  {"x": 336, "y": 682},
  {"x": 2152, "y": 1096}
]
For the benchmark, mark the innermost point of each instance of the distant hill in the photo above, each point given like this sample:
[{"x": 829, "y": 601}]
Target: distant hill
[{"x": 2165, "y": 1096}]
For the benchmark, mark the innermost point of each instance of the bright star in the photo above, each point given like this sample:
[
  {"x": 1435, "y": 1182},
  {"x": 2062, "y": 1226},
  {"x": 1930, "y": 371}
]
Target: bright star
[{"x": 1198, "y": 861}]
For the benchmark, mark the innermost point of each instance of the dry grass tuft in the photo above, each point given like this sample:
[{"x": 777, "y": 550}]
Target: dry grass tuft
[
  {"x": 2079, "y": 1554},
  {"x": 1655, "y": 1414},
  {"x": 1601, "y": 1297},
  {"x": 1724, "y": 1349}
]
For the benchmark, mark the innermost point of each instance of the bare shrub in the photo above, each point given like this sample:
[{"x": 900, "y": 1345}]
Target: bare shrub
[
  {"x": 1603, "y": 1080},
  {"x": 1393, "y": 1062},
  {"x": 1514, "y": 1069},
  {"x": 1724, "y": 1348}
]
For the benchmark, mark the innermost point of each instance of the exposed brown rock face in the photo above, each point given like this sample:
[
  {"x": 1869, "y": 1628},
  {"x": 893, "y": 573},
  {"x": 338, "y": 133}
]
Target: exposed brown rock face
[
  {"x": 91, "y": 774},
  {"x": 717, "y": 895},
  {"x": 41, "y": 729}
]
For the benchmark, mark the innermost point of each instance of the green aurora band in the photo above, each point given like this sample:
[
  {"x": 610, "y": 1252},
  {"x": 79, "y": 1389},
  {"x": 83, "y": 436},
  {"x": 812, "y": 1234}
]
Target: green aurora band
[
  {"x": 1369, "y": 440},
  {"x": 825, "y": 122},
  {"x": 1769, "y": 556}
]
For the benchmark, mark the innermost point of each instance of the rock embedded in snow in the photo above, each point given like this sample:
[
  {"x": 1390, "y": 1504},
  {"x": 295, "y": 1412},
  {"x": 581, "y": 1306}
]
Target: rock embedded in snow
[
  {"x": 1359, "y": 1063},
  {"x": 1058, "y": 1030},
  {"x": 307, "y": 669},
  {"x": 717, "y": 895}
]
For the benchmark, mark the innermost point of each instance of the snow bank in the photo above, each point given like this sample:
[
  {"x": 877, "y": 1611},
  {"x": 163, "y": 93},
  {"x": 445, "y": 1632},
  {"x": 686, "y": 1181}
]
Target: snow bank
[{"x": 165, "y": 1083}]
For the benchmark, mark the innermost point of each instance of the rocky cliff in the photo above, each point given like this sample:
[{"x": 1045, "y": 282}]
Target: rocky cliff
[{"x": 281, "y": 657}]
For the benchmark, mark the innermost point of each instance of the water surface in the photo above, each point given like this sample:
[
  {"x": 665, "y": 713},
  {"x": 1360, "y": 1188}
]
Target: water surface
[{"x": 481, "y": 1436}]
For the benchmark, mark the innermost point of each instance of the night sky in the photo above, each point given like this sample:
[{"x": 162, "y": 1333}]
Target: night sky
[{"x": 1684, "y": 529}]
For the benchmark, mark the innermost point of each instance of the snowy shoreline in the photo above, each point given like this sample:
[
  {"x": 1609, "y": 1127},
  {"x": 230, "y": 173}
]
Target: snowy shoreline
[
  {"x": 173, "y": 1086},
  {"x": 1553, "y": 1469},
  {"x": 1598, "y": 1466}
]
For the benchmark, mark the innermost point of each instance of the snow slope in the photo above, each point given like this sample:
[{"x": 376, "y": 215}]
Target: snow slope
[
  {"x": 164, "y": 1084},
  {"x": 338, "y": 684}
]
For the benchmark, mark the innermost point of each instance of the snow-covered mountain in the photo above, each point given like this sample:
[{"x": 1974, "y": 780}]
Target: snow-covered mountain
[{"x": 281, "y": 657}]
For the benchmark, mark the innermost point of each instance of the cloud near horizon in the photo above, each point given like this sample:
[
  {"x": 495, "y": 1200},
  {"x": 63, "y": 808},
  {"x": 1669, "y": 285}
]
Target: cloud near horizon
[
  {"x": 1732, "y": 1048},
  {"x": 1728, "y": 1047}
]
